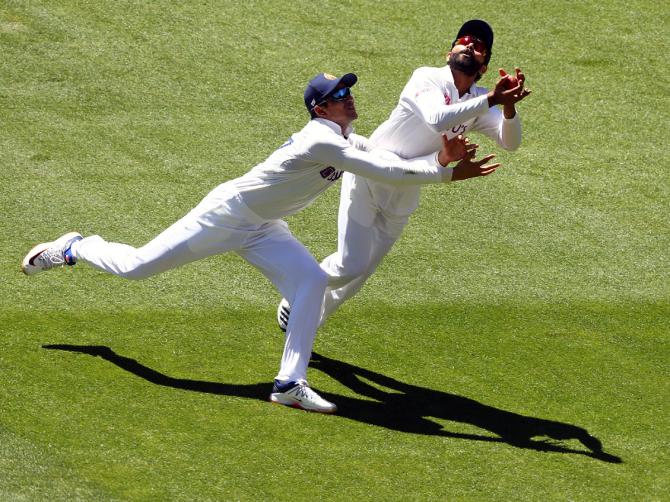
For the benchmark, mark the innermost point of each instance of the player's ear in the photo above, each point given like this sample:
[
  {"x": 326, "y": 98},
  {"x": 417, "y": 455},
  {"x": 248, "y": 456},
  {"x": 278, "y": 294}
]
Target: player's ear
[
  {"x": 320, "y": 111},
  {"x": 483, "y": 69}
]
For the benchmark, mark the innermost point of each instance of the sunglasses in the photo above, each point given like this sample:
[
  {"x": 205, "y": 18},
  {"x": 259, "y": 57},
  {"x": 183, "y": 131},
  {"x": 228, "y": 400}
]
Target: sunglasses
[
  {"x": 338, "y": 95},
  {"x": 478, "y": 45}
]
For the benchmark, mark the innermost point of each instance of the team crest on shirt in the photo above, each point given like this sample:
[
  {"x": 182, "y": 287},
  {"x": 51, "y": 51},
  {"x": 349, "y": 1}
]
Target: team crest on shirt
[
  {"x": 447, "y": 99},
  {"x": 331, "y": 174}
]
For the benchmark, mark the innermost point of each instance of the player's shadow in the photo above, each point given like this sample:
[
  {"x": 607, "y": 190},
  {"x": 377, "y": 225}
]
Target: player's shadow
[
  {"x": 391, "y": 404},
  {"x": 407, "y": 408}
]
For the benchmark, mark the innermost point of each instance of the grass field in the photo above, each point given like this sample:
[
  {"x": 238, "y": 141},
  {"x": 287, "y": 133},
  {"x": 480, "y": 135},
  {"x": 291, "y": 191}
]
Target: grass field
[{"x": 520, "y": 321}]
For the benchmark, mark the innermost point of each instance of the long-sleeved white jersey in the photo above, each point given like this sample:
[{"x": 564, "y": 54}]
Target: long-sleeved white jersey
[
  {"x": 313, "y": 159},
  {"x": 430, "y": 106}
]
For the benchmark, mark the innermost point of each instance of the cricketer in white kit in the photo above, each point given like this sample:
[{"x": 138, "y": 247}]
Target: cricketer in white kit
[
  {"x": 244, "y": 215},
  {"x": 434, "y": 102}
]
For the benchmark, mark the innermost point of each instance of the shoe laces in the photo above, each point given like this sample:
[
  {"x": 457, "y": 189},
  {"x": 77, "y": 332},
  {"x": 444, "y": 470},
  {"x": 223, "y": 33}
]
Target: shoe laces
[
  {"x": 51, "y": 257},
  {"x": 306, "y": 392}
]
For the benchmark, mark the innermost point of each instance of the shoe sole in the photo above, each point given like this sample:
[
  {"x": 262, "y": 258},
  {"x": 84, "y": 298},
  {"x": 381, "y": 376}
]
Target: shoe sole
[
  {"x": 295, "y": 404},
  {"x": 26, "y": 265}
]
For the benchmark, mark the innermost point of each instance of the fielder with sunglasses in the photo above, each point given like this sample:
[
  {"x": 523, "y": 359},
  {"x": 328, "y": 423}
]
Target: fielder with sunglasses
[
  {"x": 244, "y": 215},
  {"x": 435, "y": 102}
]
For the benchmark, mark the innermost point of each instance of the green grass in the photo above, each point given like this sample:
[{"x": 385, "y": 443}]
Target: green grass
[{"x": 517, "y": 314}]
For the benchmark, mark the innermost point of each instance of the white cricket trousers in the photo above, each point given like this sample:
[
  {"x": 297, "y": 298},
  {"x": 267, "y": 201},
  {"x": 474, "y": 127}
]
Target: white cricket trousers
[
  {"x": 371, "y": 218},
  {"x": 221, "y": 223}
]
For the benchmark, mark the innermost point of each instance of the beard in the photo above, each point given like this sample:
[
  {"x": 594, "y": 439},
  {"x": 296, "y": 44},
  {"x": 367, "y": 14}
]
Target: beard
[{"x": 468, "y": 65}]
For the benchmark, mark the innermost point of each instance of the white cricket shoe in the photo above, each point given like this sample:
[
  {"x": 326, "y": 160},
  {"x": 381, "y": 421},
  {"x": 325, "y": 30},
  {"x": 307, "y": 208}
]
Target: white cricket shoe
[
  {"x": 283, "y": 313},
  {"x": 300, "y": 395},
  {"x": 50, "y": 255}
]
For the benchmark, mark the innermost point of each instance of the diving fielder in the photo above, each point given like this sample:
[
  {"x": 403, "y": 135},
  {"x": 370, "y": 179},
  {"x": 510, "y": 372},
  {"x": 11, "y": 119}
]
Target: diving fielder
[{"x": 244, "y": 215}]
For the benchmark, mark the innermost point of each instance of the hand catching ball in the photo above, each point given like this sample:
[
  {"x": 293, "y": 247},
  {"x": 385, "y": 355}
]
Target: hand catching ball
[{"x": 510, "y": 81}]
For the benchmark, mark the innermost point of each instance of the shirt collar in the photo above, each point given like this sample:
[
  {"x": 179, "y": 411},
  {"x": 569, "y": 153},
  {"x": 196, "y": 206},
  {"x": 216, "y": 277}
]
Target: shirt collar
[{"x": 335, "y": 127}]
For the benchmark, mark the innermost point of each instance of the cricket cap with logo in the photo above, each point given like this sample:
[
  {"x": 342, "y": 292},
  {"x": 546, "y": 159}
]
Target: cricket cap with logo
[
  {"x": 480, "y": 29},
  {"x": 321, "y": 86}
]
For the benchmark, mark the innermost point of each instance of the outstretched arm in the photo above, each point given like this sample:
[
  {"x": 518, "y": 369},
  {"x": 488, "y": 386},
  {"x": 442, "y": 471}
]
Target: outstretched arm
[{"x": 382, "y": 165}]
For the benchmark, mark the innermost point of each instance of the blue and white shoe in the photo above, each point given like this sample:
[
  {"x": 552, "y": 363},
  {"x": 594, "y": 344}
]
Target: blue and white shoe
[
  {"x": 283, "y": 313},
  {"x": 50, "y": 255},
  {"x": 300, "y": 395}
]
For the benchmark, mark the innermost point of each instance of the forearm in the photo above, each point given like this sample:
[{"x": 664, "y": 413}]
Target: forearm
[{"x": 387, "y": 167}]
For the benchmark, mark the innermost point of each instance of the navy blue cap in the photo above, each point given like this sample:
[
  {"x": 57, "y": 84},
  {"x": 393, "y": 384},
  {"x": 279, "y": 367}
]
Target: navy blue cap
[
  {"x": 480, "y": 29},
  {"x": 321, "y": 86}
]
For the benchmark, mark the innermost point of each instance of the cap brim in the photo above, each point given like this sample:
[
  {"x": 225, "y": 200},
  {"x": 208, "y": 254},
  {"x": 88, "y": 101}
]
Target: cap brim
[{"x": 347, "y": 79}]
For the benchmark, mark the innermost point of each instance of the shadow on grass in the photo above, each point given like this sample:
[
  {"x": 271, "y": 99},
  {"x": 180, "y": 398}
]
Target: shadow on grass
[{"x": 402, "y": 407}]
